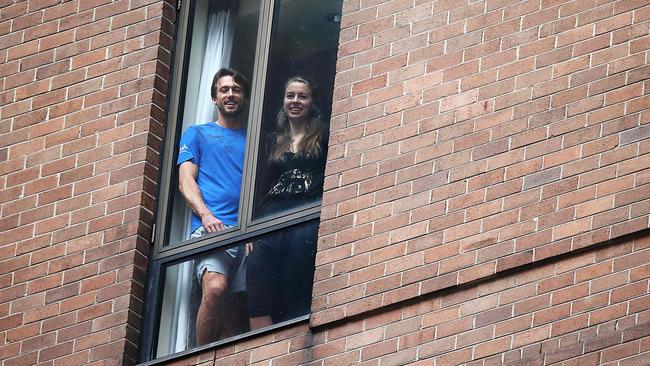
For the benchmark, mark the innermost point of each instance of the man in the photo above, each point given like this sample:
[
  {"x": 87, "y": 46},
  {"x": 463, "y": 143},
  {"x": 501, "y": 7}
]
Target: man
[{"x": 210, "y": 161}]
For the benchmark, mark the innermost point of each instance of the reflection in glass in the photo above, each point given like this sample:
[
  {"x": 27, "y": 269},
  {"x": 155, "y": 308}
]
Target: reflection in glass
[{"x": 304, "y": 44}]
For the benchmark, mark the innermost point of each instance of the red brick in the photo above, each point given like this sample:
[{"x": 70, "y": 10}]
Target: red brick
[
  {"x": 435, "y": 145},
  {"x": 619, "y": 352}
]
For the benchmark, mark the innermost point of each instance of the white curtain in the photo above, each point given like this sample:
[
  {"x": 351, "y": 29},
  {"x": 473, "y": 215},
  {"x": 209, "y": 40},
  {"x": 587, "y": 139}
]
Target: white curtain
[
  {"x": 217, "y": 54},
  {"x": 216, "y": 38}
]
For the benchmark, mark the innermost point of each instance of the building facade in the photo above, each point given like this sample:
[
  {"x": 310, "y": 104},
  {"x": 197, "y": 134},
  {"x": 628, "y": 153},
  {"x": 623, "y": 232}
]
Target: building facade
[{"x": 486, "y": 194}]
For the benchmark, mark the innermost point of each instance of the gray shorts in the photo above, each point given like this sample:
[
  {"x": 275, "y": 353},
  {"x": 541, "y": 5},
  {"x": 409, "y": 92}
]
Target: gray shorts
[{"x": 220, "y": 261}]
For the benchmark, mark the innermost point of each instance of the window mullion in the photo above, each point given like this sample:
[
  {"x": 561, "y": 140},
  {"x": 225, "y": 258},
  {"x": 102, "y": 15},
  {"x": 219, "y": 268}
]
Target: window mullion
[{"x": 256, "y": 101}]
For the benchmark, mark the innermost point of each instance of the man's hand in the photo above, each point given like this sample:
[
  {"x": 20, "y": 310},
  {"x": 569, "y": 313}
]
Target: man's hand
[
  {"x": 249, "y": 248},
  {"x": 211, "y": 223},
  {"x": 187, "y": 185}
]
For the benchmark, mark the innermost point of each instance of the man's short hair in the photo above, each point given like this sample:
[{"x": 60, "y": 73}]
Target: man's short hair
[{"x": 236, "y": 75}]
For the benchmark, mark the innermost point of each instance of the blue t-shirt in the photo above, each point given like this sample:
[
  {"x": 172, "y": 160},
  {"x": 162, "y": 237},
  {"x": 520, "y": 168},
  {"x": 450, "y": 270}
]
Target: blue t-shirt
[{"x": 219, "y": 154}]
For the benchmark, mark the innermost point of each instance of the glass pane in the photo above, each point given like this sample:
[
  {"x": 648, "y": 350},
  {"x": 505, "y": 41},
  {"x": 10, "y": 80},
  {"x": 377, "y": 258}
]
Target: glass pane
[
  {"x": 280, "y": 273},
  {"x": 295, "y": 122},
  {"x": 227, "y": 292},
  {"x": 186, "y": 321},
  {"x": 222, "y": 34}
]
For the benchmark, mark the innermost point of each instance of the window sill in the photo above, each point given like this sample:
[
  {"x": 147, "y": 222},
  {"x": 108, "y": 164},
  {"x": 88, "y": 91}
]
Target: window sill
[{"x": 176, "y": 356}]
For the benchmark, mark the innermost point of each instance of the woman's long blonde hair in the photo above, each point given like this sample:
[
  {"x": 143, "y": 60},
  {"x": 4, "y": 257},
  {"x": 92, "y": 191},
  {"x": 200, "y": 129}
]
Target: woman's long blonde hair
[{"x": 310, "y": 144}]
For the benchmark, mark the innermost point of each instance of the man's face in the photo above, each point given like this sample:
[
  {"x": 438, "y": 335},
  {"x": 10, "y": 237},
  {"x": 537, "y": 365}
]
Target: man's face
[{"x": 230, "y": 96}]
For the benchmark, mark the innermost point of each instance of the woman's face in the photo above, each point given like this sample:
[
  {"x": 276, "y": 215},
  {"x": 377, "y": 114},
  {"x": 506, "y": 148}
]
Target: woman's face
[{"x": 297, "y": 100}]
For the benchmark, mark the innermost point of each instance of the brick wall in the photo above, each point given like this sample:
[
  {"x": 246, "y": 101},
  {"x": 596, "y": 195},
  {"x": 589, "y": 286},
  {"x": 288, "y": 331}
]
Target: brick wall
[
  {"x": 486, "y": 194},
  {"x": 470, "y": 138},
  {"x": 82, "y": 87},
  {"x": 587, "y": 308}
]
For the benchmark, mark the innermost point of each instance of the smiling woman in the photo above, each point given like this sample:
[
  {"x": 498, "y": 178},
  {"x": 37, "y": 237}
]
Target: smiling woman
[
  {"x": 294, "y": 152},
  {"x": 280, "y": 268},
  {"x": 297, "y": 98}
]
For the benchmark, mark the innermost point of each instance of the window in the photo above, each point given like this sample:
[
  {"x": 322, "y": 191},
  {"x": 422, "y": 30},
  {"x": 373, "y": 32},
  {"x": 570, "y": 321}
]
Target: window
[{"x": 286, "y": 49}]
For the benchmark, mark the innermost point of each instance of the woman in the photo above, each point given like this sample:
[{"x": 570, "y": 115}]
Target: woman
[{"x": 281, "y": 266}]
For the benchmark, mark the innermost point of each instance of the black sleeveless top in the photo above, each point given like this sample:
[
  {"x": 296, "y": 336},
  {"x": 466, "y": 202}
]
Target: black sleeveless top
[{"x": 295, "y": 180}]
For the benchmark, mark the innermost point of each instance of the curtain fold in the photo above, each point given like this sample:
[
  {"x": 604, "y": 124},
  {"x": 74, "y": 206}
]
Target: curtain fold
[{"x": 217, "y": 55}]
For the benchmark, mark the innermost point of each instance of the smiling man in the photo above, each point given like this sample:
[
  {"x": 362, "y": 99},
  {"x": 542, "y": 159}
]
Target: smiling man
[{"x": 210, "y": 161}]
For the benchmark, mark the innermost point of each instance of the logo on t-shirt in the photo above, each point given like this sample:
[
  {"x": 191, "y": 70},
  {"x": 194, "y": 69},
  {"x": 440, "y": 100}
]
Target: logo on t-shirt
[{"x": 184, "y": 148}]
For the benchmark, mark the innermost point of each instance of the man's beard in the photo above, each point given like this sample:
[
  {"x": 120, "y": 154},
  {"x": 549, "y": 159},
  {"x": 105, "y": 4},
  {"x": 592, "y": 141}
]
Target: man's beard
[{"x": 225, "y": 112}]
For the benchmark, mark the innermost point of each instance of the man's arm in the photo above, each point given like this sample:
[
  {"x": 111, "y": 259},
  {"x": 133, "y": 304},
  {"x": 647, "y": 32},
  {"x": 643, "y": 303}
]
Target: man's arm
[{"x": 187, "y": 173}]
